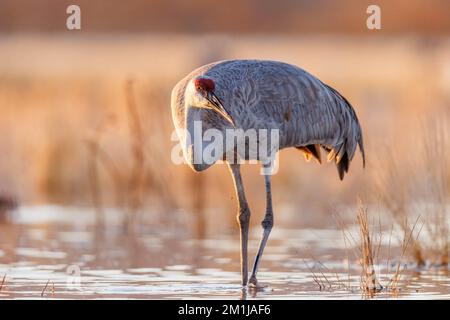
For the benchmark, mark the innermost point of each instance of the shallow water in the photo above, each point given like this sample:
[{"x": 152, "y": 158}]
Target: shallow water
[{"x": 46, "y": 253}]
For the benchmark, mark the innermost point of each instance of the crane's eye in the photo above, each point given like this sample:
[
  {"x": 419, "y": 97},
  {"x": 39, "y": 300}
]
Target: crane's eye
[
  {"x": 202, "y": 92},
  {"x": 199, "y": 89}
]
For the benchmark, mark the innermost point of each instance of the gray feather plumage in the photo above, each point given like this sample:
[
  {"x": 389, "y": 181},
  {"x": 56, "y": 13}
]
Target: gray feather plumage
[{"x": 269, "y": 94}]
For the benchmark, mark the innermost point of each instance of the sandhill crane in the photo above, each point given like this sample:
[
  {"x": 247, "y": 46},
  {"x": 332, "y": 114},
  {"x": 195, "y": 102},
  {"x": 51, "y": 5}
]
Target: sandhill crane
[{"x": 260, "y": 94}]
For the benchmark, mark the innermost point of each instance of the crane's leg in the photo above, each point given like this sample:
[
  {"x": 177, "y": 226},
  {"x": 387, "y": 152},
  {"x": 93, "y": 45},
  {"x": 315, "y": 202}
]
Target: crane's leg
[
  {"x": 267, "y": 225},
  {"x": 243, "y": 218}
]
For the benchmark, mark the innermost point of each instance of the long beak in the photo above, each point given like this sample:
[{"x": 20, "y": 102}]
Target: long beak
[{"x": 218, "y": 106}]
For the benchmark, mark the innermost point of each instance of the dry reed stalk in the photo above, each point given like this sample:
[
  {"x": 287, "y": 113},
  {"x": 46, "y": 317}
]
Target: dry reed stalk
[
  {"x": 369, "y": 279},
  {"x": 3, "y": 282},
  {"x": 338, "y": 284},
  {"x": 159, "y": 170},
  {"x": 323, "y": 282},
  {"x": 316, "y": 279},
  {"x": 115, "y": 175},
  {"x": 347, "y": 257},
  {"x": 388, "y": 260},
  {"x": 93, "y": 143},
  {"x": 408, "y": 239},
  {"x": 349, "y": 240},
  {"x": 368, "y": 250},
  {"x": 135, "y": 180},
  {"x": 45, "y": 288},
  {"x": 93, "y": 148}
]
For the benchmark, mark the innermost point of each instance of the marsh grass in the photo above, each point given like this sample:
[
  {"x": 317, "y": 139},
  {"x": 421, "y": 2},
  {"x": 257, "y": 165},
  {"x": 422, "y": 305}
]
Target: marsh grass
[
  {"x": 128, "y": 182},
  {"x": 419, "y": 185},
  {"x": 435, "y": 188},
  {"x": 328, "y": 283},
  {"x": 407, "y": 239},
  {"x": 367, "y": 249},
  {"x": 393, "y": 185},
  {"x": 142, "y": 177}
]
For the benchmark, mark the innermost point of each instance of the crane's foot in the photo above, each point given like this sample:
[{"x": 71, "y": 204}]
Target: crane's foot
[{"x": 253, "y": 284}]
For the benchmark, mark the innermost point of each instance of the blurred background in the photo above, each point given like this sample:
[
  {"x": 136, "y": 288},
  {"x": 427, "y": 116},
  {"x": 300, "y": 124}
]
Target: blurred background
[
  {"x": 87, "y": 180},
  {"x": 86, "y": 121}
]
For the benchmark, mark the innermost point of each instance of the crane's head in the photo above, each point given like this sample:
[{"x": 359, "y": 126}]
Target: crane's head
[{"x": 201, "y": 91}]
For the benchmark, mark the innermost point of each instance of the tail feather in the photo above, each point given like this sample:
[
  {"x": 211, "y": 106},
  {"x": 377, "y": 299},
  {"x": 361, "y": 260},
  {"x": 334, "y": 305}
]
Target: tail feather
[
  {"x": 342, "y": 165},
  {"x": 344, "y": 152},
  {"x": 361, "y": 148},
  {"x": 311, "y": 150},
  {"x": 338, "y": 154},
  {"x": 342, "y": 143}
]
